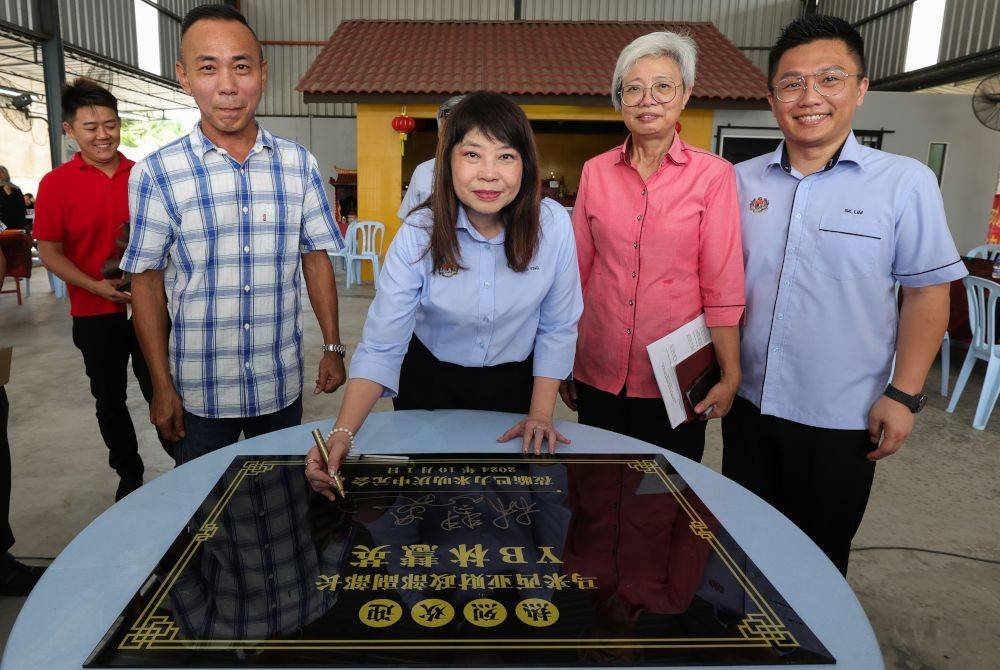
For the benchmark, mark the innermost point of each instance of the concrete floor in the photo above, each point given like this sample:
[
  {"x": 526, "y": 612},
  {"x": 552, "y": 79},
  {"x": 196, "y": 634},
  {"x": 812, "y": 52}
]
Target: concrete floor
[{"x": 940, "y": 493}]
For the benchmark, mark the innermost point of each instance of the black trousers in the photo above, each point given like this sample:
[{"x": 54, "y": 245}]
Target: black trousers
[
  {"x": 107, "y": 342},
  {"x": 6, "y": 534},
  {"x": 819, "y": 478},
  {"x": 428, "y": 383},
  {"x": 642, "y": 418}
]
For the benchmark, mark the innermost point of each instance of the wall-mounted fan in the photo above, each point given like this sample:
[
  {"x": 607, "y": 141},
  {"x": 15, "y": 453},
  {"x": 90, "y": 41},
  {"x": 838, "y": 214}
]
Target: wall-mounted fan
[
  {"x": 986, "y": 102},
  {"x": 16, "y": 108}
]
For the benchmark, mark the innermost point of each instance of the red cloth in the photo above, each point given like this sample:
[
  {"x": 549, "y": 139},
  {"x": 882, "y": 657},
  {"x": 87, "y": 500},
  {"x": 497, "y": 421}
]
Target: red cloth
[
  {"x": 638, "y": 546},
  {"x": 83, "y": 208},
  {"x": 653, "y": 255}
]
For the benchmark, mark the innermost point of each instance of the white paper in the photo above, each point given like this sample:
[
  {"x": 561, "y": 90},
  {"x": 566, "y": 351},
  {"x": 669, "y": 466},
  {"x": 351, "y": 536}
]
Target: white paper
[{"x": 666, "y": 353}]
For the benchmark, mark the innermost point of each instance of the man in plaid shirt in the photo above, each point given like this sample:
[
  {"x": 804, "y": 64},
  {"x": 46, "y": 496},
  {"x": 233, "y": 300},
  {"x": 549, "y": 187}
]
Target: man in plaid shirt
[{"x": 219, "y": 222}]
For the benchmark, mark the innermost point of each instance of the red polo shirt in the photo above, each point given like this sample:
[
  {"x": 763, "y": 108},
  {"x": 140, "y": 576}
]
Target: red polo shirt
[{"x": 83, "y": 208}]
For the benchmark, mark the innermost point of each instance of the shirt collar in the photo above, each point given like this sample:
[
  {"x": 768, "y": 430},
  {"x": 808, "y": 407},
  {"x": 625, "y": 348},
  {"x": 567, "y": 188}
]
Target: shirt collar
[
  {"x": 850, "y": 152},
  {"x": 464, "y": 223},
  {"x": 202, "y": 145},
  {"x": 677, "y": 153},
  {"x": 124, "y": 163}
]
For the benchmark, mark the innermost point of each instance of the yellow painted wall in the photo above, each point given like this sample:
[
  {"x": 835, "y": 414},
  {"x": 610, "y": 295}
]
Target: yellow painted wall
[{"x": 381, "y": 164}]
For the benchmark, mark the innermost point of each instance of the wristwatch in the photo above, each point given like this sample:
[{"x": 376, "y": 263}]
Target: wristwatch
[
  {"x": 336, "y": 348},
  {"x": 914, "y": 403}
]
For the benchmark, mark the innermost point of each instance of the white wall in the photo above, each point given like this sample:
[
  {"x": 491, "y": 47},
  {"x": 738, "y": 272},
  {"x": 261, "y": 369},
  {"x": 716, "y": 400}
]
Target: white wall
[
  {"x": 332, "y": 141},
  {"x": 917, "y": 119}
]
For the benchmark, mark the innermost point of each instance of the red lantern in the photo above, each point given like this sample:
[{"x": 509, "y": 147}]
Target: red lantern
[{"x": 403, "y": 125}]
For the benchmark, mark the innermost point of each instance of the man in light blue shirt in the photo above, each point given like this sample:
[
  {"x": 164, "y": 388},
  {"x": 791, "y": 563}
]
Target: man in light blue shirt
[
  {"x": 829, "y": 227},
  {"x": 422, "y": 180}
]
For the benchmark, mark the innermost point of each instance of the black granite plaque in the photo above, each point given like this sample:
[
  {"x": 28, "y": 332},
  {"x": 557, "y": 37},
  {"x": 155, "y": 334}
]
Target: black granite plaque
[{"x": 467, "y": 560}]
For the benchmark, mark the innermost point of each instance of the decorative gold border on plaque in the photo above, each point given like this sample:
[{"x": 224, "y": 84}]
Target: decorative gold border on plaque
[{"x": 758, "y": 629}]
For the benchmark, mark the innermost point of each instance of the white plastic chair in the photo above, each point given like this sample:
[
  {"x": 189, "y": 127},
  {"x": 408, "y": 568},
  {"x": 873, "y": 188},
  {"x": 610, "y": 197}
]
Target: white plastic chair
[
  {"x": 367, "y": 240},
  {"x": 349, "y": 240},
  {"x": 982, "y": 294},
  {"x": 987, "y": 251}
]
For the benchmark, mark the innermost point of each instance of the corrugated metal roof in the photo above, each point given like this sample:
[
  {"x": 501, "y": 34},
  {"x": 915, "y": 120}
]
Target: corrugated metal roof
[{"x": 529, "y": 58}]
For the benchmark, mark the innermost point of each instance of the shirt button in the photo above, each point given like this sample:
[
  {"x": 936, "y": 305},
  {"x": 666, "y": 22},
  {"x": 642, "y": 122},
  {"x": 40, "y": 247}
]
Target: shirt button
[
  {"x": 639, "y": 218},
  {"x": 781, "y": 317},
  {"x": 633, "y": 275},
  {"x": 243, "y": 171},
  {"x": 247, "y": 288},
  {"x": 246, "y": 326},
  {"x": 644, "y": 191},
  {"x": 631, "y": 302},
  {"x": 486, "y": 284},
  {"x": 246, "y": 209},
  {"x": 798, "y": 216},
  {"x": 628, "y": 331},
  {"x": 247, "y": 365},
  {"x": 635, "y": 245},
  {"x": 777, "y": 350},
  {"x": 246, "y": 249},
  {"x": 482, "y": 346}
]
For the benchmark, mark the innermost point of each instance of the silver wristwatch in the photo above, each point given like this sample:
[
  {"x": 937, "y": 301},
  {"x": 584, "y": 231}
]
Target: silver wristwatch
[{"x": 336, "y": 348}]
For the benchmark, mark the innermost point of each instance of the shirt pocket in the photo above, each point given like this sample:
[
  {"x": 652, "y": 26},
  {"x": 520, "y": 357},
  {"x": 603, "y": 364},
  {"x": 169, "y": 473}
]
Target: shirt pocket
[
  {"x": 265, "y": 228},
  {"x": 848, "y": 248}
]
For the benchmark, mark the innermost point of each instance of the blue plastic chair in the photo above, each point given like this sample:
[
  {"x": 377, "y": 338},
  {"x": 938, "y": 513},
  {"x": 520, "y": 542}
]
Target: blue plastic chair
[
  {"x": 982, "y": 295},
  {"x": 987, "y": 251}
]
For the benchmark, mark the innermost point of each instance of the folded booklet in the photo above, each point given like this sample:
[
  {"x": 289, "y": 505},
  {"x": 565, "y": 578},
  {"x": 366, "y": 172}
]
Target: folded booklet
[{"x": 685, "y": 368}]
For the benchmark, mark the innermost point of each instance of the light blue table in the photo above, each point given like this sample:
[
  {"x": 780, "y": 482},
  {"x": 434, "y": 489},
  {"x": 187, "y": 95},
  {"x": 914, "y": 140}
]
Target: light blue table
[{"x": 89, "y": 583}]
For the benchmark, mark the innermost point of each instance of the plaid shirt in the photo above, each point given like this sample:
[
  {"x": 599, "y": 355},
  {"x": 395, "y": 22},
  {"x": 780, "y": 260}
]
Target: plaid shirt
[
  {"x": 230, "y": 238},
  {"x": 255, "y": 578}
]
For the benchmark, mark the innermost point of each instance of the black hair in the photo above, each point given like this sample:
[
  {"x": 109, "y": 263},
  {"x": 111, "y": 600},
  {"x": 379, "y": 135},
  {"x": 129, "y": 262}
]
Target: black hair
[
  {"x": 816, "y": 27},
  {"x": 84, "y": 92},
  {"x": 214, "y": 13}
]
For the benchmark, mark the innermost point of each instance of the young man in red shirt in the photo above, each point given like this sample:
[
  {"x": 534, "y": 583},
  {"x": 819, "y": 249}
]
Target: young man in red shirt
[{"x": 81, "y": 215}]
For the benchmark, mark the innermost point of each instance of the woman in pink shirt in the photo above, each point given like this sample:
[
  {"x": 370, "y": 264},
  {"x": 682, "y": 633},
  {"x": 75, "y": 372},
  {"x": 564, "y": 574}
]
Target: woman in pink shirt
[{"x": 658, "y": 237}]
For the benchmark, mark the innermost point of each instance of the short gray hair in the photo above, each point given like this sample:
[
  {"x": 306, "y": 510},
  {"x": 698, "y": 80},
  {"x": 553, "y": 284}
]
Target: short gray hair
[
  {"x": 681, "y": 48},
  {"x": 447, "y": 106}
]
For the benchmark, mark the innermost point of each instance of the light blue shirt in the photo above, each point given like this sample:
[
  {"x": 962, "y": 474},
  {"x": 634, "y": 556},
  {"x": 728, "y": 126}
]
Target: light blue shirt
[
  {"x": 483, "y": 315},
  {"x": 822, "y": 256},
  {"x": 421, "y": 185}
]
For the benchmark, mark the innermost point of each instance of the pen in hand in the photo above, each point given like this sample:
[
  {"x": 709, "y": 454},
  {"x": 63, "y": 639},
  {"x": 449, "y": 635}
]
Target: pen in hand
[{"x": 338, "y": 482}]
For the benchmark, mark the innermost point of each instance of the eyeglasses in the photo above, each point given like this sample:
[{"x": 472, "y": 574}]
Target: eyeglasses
[
  {"x": 827, "y": 84},
  {"x": 661, "y": 92}
]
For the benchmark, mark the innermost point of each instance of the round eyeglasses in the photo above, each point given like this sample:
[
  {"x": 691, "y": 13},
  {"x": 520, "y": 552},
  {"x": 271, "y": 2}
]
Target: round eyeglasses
[
  {"x": 661, "y": 92},
  {"x": 827, "y": 84}
]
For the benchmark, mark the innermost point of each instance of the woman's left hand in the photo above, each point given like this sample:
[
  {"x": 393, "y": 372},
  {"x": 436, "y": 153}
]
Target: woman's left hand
[
  {"x": 532, "y": 430},
  {"x": 719, "y": 400}
]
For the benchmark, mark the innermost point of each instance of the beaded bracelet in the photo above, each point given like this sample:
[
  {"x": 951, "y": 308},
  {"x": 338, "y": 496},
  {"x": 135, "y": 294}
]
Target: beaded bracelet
[{"x": 350, "y": 436}]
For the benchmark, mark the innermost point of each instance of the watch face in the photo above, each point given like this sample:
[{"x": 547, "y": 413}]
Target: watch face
[{"x": 921, "y": 401}]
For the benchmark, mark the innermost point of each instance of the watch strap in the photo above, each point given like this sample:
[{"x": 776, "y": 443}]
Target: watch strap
[{"x": 914, "y": 403}]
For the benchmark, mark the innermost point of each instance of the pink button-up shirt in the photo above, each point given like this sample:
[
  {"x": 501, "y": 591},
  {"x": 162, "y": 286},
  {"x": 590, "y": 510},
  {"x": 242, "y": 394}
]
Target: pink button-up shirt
[{"x": 653, "y": 255}]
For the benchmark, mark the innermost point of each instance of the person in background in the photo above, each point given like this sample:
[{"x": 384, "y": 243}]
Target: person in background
[
  {"x": 29, "y": 211},
  {"x": 227, "y": 221},
  {"x": 12, "y": 203},
  {"x": 829, "y": 227},
  {"x": 81, "y": 213},
  {"x": 479, "y": 298},
  {"x": 16, "y": 578},
  {"x": 422, "y": 180},
  {"x": 657, "y": 232}
]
